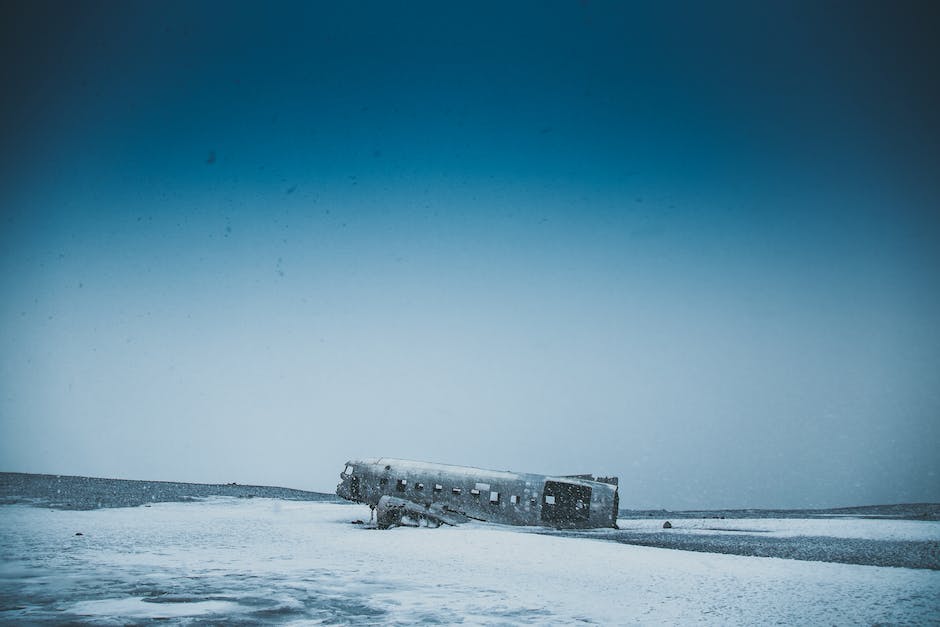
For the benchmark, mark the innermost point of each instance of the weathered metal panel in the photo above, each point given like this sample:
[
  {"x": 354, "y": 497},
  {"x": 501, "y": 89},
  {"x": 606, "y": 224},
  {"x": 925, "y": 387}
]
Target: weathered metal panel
[{"x": 422, "y": 488}]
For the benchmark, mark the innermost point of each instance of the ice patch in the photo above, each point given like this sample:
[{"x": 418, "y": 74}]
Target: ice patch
[{"x": 147, "y": 608}]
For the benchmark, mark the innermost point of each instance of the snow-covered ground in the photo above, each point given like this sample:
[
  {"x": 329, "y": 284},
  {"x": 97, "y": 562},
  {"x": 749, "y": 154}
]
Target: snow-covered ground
[
  {"x": 855, "y": 528},
  {"x": 261, "y": 560}
]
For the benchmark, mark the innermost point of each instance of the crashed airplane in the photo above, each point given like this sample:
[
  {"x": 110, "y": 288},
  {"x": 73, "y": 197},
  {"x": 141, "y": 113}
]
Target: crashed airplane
[{"x": 414, "y": 493}]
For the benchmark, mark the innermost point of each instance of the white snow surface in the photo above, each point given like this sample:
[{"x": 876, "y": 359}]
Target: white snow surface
[
  {"x": 259, "y": 560},
  {"x": 858, "y": 528}
]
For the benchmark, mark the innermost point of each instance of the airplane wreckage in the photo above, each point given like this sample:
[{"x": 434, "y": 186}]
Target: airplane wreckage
[{"x": 402, "y": 492}]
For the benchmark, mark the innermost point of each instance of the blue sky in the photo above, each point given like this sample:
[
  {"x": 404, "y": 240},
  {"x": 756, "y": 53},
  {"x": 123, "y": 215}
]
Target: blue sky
[{"x": 693, "y": 246}]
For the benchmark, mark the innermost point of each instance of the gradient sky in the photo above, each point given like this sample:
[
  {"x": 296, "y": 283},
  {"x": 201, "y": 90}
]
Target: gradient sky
[{"x": 695, "y": 246}]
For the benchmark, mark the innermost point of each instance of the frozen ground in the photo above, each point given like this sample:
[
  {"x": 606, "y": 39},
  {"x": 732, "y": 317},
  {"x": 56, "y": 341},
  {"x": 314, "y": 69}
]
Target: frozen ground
[
  {"x": 848, "y": 528},
  {"x": 873, "y": 542},
  {"x": 67, "y": 492},
  {"x": 228, "y": 560}
]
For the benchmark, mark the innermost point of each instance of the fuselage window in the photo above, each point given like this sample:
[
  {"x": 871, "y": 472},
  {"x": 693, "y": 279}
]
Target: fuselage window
[
  {"x": 514, "y": 500},
  {"x": 456, "y": 490},
  {"x": 494, "y": 498},
  {"x": 438, "y": 487},
  {"x": 475, "y": 492},
  {"x": 549, "y": 499},
  {"x": 401, "y": 485},
  {"x": 419, "y": 486}
]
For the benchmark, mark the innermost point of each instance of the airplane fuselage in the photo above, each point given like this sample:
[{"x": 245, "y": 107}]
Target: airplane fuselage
[{"x": 511, "y": 498}]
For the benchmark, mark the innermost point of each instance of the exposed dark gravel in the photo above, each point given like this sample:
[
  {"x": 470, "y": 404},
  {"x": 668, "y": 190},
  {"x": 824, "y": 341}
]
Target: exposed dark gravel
[
  {"x": 83, "y": 493},
  {"x": 904, "y": 553},
  {"x": 900, "y": 511}
]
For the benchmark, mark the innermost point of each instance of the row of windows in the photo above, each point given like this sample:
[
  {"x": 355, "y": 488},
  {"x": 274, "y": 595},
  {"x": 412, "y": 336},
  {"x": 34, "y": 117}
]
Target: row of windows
[{"x": 402, "y": 484}]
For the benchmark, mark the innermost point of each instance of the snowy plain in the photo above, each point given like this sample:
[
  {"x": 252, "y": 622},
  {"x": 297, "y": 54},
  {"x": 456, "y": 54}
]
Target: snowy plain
[
  {"x": 255, "y": 561},
  {"x": 854, "y": 528}
]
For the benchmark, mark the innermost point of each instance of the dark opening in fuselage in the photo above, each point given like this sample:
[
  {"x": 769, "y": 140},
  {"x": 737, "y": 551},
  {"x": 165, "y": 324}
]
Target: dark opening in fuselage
[{"x": 566, "y": 503}]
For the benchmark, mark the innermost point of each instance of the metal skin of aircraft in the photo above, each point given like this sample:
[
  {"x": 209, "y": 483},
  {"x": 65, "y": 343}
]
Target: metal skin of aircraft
[{"x": 403, "y": 492}]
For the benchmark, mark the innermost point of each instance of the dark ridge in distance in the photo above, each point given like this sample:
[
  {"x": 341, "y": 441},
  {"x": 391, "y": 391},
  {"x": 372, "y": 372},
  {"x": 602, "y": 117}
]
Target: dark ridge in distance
[
  {"x": 899, "y": 511},
  {"x": 86, "y": 493}
]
